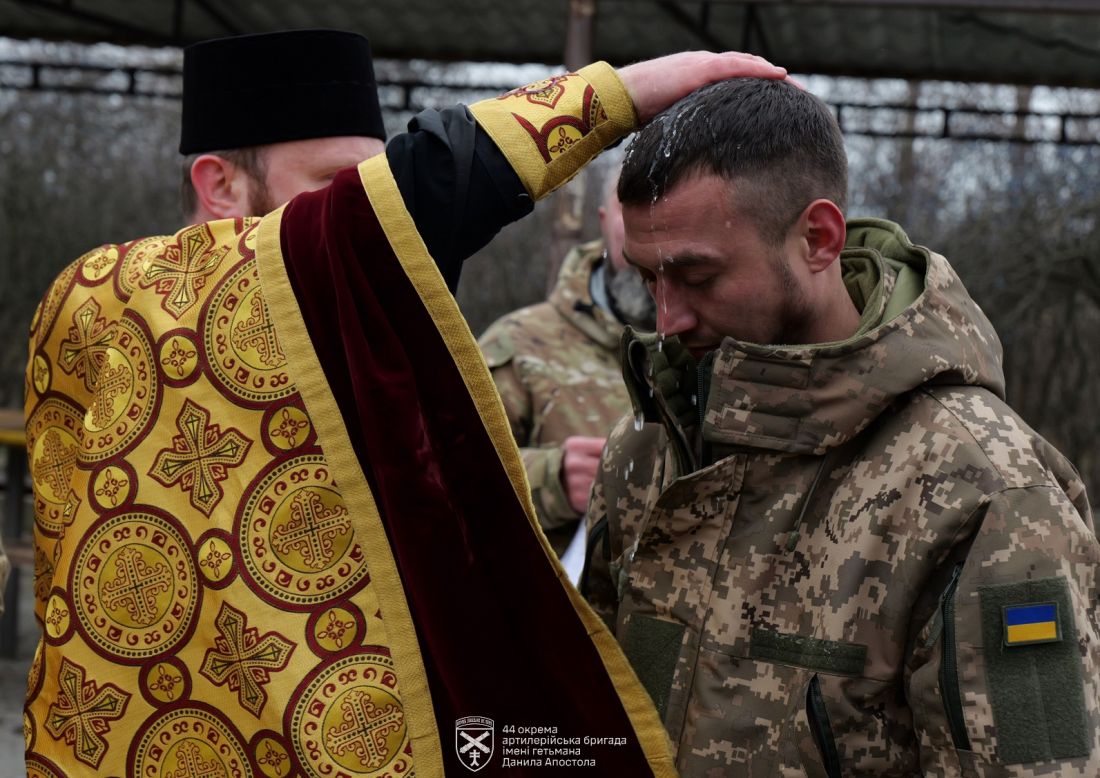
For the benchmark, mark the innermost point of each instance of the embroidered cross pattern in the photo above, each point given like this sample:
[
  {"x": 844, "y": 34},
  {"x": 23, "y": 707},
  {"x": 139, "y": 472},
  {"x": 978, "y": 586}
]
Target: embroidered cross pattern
[
  {"x": 363, "y": 729},
  {"x": 200, "y": 457},
  {"x": 83, "y": 712},
  {"x": 85, "y": 350},
  {"x": 136, "y": 586},
  {"x": 244, "y": 660},
  {"x": 190, "y": 764},
  {"x": 311, "y": 529},
  {"x": 114, "y": 382},
  {"x": 55, "y": 466},
  {"x": 180, "y": 272},
  {"x": 258, "y": 332}
]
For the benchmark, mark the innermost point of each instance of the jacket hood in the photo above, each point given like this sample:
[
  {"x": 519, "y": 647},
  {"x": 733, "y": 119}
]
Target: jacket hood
[
  {"x": 919, "y": 328},
  {"x": 572, "y": 297}
]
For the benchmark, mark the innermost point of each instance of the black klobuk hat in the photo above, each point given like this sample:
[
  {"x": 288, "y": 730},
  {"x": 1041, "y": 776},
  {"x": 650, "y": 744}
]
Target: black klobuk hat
[{"x": 251, "y": 90}]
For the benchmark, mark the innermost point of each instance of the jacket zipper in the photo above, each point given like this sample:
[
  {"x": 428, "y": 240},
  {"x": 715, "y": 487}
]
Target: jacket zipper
[
  {"x": 949, "y": 668},
  {"x": 821, "y": 729}
]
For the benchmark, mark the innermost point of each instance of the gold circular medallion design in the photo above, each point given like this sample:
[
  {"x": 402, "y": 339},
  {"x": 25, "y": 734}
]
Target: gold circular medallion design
[
  {"x": 99, "y": 264},
  {"x": 296, "y": 537},
  {"x": 39, "y": 768},
  {"x": 164, "y": 682},
  {"x": 58, "y": 616},
  {"x": 134, "y": 586},
  {"x": 336, "y": 629},
  {"x": 349, "y": 720},
  {"x": 40, "y": 374},
  {"x": 191, "y": 742},
  {"x": 272, "y": 758},
  {"x": 289, "y": 427},
  {"x": 179, "y": 356},
  {"x": 35, "y": 674},
  {"x": 53, "y": 437},
  {"x": 125, "y": 395},
  {"x": 52, "y": 302},
  {"x": 215, "y": 560},
  {"x": 111, "y": 487},
  {"x": 244, "y": 352}
]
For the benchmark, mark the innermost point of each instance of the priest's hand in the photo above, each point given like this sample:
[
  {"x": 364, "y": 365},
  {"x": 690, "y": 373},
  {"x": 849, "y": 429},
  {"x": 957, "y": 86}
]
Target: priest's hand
[{"x": 656, "y": 84}]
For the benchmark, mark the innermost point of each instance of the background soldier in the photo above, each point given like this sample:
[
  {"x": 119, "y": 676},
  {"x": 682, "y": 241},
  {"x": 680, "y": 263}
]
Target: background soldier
[{"x": 556, "y": 366}]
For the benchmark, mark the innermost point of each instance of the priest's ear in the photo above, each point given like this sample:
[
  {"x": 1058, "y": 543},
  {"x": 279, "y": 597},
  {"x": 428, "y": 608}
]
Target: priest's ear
[{"x": 222, "y": 188}]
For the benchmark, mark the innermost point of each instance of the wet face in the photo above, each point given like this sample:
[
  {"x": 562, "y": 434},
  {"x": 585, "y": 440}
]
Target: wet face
[
  {"x": 300, "y": 166},
  {"x": 712, "y": 274}
]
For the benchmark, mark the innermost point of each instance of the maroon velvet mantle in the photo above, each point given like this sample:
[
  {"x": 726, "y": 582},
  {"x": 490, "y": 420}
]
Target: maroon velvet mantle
[{"x": 498, "y": 635}]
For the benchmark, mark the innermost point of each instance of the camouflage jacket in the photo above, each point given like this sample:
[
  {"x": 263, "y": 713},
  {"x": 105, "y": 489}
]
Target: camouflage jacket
[
  {"x": 556, "y": 366},
  {"x": 852, "y": 559}
]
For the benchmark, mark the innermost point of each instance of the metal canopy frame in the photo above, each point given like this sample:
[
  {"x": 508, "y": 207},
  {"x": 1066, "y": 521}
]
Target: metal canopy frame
[
  {"x": 1054, "y": 42},
  {"x": 1069, "y": 128}
]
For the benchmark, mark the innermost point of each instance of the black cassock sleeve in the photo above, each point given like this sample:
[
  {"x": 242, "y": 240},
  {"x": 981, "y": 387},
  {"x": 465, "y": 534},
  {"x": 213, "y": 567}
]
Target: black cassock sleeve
[{"x": 457, "y": 185}]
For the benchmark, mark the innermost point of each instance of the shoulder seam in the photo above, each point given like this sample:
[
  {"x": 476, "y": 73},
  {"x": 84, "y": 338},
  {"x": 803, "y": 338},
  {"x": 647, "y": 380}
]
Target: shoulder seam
[{"x": 928, "y": 392}]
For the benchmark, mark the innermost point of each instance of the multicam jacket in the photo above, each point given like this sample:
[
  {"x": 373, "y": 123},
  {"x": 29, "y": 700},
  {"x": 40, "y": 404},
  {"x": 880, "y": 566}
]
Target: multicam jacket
[
  {"x": 556, "y": 366},
  {"x": 852, "y": 559}
]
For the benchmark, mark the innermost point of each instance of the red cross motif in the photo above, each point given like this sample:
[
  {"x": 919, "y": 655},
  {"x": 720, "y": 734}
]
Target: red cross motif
[
  {"x": 114, "y": 382},
  {"x": 136, "y": 586},
  {"x": 363, "y": 728},
  {"x": 85, "y": 350},
  {"x": 243, "y": 659},
  {"x": 181, "y": 270},
  {"x": 200, "y": 457},
  {"x": 83, "y": 712},
  {"x": 55, "y": 465},
  {"x": 190, "y": 764},
  {"x": 311, "y": 529},
  {"x": 258, "y": 332}
]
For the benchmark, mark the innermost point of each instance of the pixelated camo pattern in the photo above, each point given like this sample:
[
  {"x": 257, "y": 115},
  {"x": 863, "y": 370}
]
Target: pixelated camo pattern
[
  {"x": 556, "y": 366},
  {"x": 920, "y": 466}
]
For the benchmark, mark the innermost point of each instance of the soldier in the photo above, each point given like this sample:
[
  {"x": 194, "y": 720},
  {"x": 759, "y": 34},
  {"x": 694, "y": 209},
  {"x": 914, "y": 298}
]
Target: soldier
[
  {"x": 846, "y": 554},
  {"x": 556, "y": 366}
]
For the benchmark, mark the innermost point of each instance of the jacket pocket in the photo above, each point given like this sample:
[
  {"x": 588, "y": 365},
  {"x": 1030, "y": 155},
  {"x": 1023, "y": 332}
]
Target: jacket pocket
[
  {"x": 950, "y": 690},
  {"x": 822, "y": 730}
]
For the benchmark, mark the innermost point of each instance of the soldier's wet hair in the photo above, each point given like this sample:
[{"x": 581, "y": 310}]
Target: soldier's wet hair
[{"x": 780, "y": 146}]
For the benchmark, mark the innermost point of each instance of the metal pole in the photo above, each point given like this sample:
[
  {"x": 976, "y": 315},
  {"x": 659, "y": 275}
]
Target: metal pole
[{"x": 569, "y": 203}]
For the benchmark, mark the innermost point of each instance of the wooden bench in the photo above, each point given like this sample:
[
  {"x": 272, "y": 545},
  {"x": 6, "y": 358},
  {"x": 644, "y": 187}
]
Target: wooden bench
[{"x": 13, "y": 438}]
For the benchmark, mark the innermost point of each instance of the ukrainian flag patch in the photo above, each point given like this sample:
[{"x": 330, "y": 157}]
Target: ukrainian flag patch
[{"x": 1030, "y": 623}]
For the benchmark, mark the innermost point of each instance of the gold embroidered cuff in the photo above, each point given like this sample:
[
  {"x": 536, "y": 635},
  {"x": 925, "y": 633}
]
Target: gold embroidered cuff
[{"x": 549, "y": 130}]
